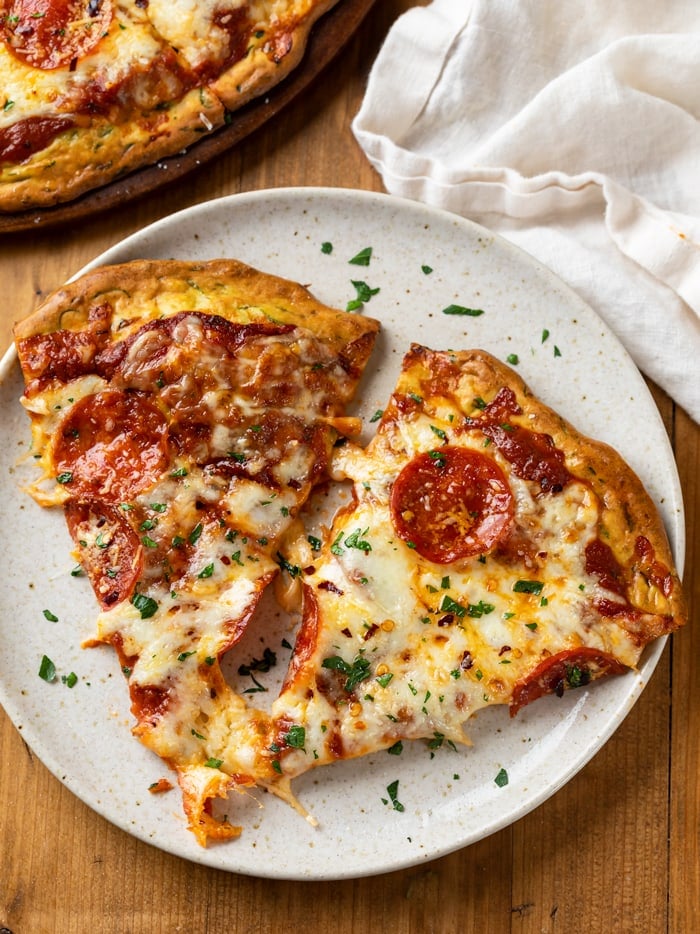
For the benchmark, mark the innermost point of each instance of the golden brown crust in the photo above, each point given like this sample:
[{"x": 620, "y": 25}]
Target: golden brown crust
[
  {"x": 144, "y": 289},
  {"x": 272, "y": 55},
  {"x": 628, "y": 513},
  {"x": 87, "y": 156}
]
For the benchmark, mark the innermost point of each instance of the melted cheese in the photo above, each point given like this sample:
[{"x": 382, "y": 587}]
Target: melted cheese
[
  {"x": 126, "y": 52},
  {"x": 435, "y": 643}
]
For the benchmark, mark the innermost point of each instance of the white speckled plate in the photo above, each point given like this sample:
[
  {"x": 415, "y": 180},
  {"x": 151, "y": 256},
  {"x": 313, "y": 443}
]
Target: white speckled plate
[{"x": 450, "y": 798}]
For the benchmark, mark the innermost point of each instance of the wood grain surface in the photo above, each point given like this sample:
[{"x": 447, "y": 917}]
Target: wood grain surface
[{"x": 615, "y": 850}]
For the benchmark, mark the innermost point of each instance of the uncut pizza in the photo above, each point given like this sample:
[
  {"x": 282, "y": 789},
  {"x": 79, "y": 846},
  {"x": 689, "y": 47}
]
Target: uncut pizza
[
  {"x": 184, "y": 415},
  {"x": 94, "y": 89}
]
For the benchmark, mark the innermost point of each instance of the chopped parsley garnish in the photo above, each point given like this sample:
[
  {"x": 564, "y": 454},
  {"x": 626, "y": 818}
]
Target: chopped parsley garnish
[
  {"x": 462, "y": 310},
  {"x": 396, "y": 749},
  {"x": 183, "y": 656},
  {"x": 295, "y": 737},
  {"x": 146, "y": 606},
  {"x": 528, "y": 586},
  {"x": 439, "y": 432},
  {"x": 513, "y": 359},
  {"x": 362, "y": 258},
  {"x": 377, "y": 415},
  {"x": 69, "y": 680},
  {"x": 501, "y": 779},
  {"x": 65, "y": 477},
  {"x": 195, "y": 533},
  {"x": 264, "y": 664},
  {"x": 327, "y": 247},
  {"x": 438, "y": 457},
  {"x": 393, "y": 792},
  {"x": 314, "y": 542},
  {"x": 206, "y": 571},
  {"x": 364, "y": 294},
  {"x": 426, "y": 269},
  {"x": 355, "y": 673},
  {"x": 52, "y": 618},
  {"x": 335, "y": 547},
  {"x": 383, "y": 680},
  {"x": 47, "y": 669},
  {"x": 214, "y": 763},
  {"x": 449, "y": 605},
  {"x": 355, "y": 540},
  {"x": 292, "y": 569}
]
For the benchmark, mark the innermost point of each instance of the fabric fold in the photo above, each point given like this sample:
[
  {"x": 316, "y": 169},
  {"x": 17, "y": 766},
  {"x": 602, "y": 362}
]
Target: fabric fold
[{"x": 572, "y": 131}]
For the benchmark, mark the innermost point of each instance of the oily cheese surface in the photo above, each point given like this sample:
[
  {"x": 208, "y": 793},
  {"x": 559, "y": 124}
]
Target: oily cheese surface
[{"x": 146, "y": 82}]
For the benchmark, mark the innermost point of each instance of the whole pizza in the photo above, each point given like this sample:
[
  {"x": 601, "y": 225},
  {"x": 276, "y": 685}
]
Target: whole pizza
[{"x": 94, "y": 89}]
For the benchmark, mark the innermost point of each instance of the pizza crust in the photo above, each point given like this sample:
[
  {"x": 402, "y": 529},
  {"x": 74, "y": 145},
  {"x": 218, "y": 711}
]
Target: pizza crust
[
  {"x": 95, "y": 153},
  {"x": 146, "y": 289}
]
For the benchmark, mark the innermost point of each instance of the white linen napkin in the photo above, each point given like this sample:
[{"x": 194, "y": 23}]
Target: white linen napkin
[{"x": 573, "y": 130}]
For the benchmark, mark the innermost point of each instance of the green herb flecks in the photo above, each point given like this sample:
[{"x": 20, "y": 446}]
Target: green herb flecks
[
  {"x": 362, "y": 258},
  {"x": 354, "y": 673},
  {"x": 462, "y": 310}
]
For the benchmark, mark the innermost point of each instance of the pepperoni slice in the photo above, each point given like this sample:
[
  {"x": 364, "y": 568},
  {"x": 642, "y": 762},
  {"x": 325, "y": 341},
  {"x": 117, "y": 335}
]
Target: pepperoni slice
[
  {"x": 111, "y": 445},
  {"x": 21, "y": 140},
  {"x": 451, "y": 503},
  {"x": 110, "y": 550},
  {"x": 568, "y": 669},
  {"x": 47, "y": 34}
]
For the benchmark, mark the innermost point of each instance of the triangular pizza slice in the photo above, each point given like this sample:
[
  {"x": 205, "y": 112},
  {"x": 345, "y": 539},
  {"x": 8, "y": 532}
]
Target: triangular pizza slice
[
  {"x": 490, "y": 554},
  {"x": 181, "y": 414}
]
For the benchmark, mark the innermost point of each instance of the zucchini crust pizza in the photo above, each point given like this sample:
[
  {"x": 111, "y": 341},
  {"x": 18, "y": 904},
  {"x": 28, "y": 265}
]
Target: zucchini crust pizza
[
  {"x": 488, "y": 553},
  {"x": 181, "y": 414},
  {"x": 94, "y": 89}
]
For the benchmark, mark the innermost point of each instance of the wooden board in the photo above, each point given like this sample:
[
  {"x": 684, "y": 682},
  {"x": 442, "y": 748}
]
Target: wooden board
[{"x": 327, "y": 38}]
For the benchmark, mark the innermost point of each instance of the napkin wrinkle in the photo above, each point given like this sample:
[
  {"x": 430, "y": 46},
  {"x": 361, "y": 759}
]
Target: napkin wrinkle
[{"x": 573, "y": 132}]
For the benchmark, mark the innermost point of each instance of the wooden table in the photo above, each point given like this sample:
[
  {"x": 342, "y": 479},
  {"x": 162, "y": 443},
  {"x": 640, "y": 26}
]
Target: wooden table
[{"x": 616, "y": 850}]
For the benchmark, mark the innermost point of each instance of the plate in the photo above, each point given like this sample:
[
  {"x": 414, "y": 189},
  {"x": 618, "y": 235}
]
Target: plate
[
  {"x": 326, "y": 40},
  {"x": 422, "y": 260}
]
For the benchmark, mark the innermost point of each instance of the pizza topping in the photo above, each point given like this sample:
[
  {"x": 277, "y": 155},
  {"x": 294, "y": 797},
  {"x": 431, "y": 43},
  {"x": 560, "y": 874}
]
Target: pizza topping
[
  {"x": 113, "y": 444},
  {"x": 657, "y": 572},
  {"x": 568, "y": 669},
  {"x": 532, "y": 455},
  {"x": 109, "y": 550},
  {"x": 21, "y": 140},
  {"x": 48, "y": 34},
  {"x": 451, "y": 504},
  {"x": 65, "y": 355}
]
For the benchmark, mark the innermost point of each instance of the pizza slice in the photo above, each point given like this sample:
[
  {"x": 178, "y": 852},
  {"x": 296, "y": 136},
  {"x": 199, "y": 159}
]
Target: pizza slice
[
  {"x": 490, "y": 554},
  {"x": 181, "y": 414}
]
